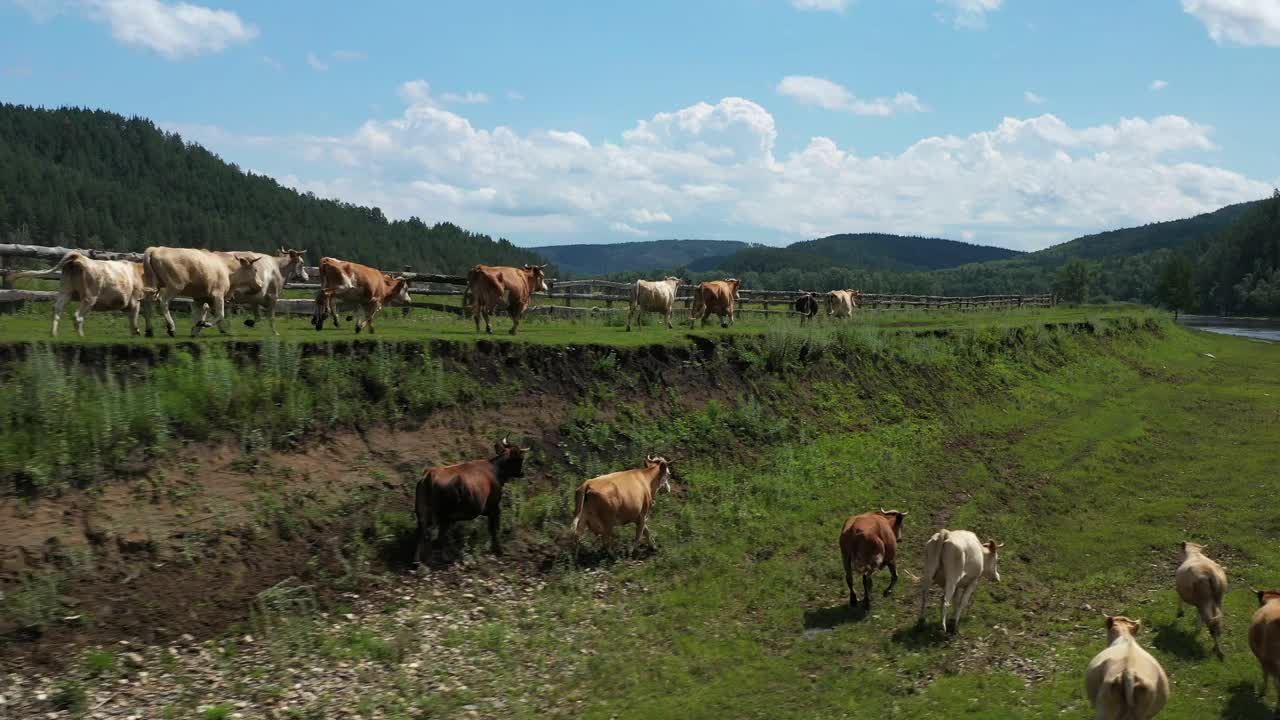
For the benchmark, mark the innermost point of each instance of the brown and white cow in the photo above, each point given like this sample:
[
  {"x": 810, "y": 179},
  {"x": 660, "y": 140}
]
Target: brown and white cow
[
  {"x": 621, "y": 498},
  {"x": 1264, "y": 639},
  {"x": 365, "y": 287},
  {"x": 1124, "y": 682},
  {"x": 1202, "y": 583},
  {"x": 869, "y": 542},
  {"x": 956, "y": 560},
  {"x": 494, "y": 287},
  {"x": 453, "y": 493},
  {"x": 842, "y": 303},
  {"x": 717, "y": 297},
  {"x": 202, "y": 275},
  {"x": 261, "y": 289},
  {"x": 96, "y": 285},
  {"x": 653, "y": 296}
]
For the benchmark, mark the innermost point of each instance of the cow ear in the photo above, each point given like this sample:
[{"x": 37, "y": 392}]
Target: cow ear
[
  {"x": 1110, "y": 620},
  {"x": 1261, "y": 596},
  {"x": 1137, "y": 626}
]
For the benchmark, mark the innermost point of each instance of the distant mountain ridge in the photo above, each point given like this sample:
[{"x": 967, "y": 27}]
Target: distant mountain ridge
[
  {"x": 604, "y": 258},
  {"x": 873, "y": 251}
]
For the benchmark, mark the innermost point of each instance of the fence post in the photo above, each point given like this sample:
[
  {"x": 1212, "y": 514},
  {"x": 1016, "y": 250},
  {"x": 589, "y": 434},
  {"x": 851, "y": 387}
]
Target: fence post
[{"x": 5, "y": 281}]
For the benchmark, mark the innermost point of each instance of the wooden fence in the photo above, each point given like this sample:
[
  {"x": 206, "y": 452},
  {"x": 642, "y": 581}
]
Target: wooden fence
[{"x": 590, "y": 296}]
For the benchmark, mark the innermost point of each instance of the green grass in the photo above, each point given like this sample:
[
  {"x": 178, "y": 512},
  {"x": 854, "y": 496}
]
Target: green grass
[
  {"x": 63, "y": 423},
  {"x": 33, "y": 324}
]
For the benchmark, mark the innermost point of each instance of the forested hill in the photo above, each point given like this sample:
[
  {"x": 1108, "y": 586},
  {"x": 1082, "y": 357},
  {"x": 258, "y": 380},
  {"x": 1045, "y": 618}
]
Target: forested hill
[
  {"x": 95, "y": 179},
  {"x": 869, "y": 251},
  {"x": 636, "y": 256}
]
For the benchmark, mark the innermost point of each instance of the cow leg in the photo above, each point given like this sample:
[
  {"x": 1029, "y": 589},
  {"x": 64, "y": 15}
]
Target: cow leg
[
  {"x": 369, "y": 314},
  {"x": 630, "y": 311},
  {"x": 924, "y": 595},
  {"x": 893, "y": 578},
  {"x": 495, "y": 527},
  {"x": 133, "y": 311},
  {"x": 164, "y": 299},
  {"x": 331, "y": 304},
  {"x": 948, "y": 594},
  {"x": 866, "y": 590},
  {"x": 848, "y": 578},
  {"x": 724, "y": 322},
  {"x": 422, "y": 553},
  {"x": 963, "y": 605},
  {"x": 488, "y": 323},
  {"x": 82, "y": 312},
  {"x": 220, "y": 315},
  {"x": 515, "y": 313},
  {"x": 58, "y": 306},
  {"x": 668, "y": 318}
]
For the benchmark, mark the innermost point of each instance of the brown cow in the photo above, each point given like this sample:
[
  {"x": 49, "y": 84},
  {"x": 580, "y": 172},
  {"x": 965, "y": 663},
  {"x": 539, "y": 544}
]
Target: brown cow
[
  {"x": 494, "y": 287},
  {"x": 717, "y": 297},
  {"x": 869, "y": 542},
  {"x": 1264, "y": 639},
  {"x": 365, "y": 287},
  {"x": 451, "y": 493},
  {"x": 620, "y": 498}
]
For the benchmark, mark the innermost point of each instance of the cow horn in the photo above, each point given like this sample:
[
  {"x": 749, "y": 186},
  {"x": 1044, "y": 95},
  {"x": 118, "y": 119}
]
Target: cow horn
[
  {"x": 504, "y": 442},
  {"x": 649, "y": 458}
]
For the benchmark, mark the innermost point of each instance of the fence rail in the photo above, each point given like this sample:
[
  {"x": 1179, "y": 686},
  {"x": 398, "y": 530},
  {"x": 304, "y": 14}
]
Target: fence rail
[{"x": 588, "y": 293}]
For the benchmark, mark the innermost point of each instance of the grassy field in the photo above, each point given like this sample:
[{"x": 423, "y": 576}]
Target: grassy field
[
  {"x": 1092, "y": 473},
  {"x": 33, "y": 324},
  {"x": 1091, "y": 452}
]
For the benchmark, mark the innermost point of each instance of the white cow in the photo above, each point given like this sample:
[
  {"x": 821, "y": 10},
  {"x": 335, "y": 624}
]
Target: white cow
[
  {"x": 653, "y": 296},
  {"x": 1201, "y": 582},
  {"x": 97, "y": 285},
  {"x": 201, "y": 275},
  {"x": 261, "y": 288},
  {"x": 1124, "y": 682},
  {"x": 842, "y": 303},
  {"x": 955, "y": 560}
]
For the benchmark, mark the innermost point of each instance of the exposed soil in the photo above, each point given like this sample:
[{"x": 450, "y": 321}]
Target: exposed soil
[{"x": 184, "y": 545}]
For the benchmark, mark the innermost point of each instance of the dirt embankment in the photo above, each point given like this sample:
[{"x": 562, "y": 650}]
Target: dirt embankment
[{"x": 185, "y": 544}]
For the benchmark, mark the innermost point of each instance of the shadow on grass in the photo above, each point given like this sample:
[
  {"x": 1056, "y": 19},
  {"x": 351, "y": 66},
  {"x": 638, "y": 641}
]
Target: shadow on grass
[
  {"x": 1177, "y": 640},
  {"x": 830, "y": 617},
  {"x": 920, "y": 635},
  {"x": 1245, "y": 704}
]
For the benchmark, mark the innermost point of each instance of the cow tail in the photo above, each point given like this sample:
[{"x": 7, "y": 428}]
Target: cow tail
[
  {"x": 1213, "y": 616},
  {"x": 1130, "y": 681},
  {"x": 150, "y": 281},
  {"x": 580, "y": 503}
]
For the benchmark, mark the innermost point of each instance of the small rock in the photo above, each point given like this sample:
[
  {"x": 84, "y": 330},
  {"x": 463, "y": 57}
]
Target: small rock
[
  {"x": 188, "y": 637},
  {"x": 132, "y": 659}
]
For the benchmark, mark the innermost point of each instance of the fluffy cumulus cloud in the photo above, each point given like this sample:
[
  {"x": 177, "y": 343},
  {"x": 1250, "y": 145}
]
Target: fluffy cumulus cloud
[
  {"x": 970, "y": 14},
  {"x": 174, "y": 30},
  {"x": 716, "y": 170},
  {"x": 828, "y": 5},
  {"x": 834, "y": 96},
  {"x": 1238, "y": 22}
]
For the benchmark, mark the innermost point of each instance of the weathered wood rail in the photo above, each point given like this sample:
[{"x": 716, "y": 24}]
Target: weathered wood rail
[{"x": 593, "y": 296}]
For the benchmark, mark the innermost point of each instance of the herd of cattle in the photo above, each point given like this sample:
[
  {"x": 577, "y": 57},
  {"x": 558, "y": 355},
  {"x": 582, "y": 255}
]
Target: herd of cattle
[
  {"x": 1124, "y": 681},
  {"x": 256, "y": 280}
]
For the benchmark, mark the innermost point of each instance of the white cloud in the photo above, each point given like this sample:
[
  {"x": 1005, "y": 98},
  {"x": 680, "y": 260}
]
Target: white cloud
[
  {"x": 827, "y": 5},
  {"x": 834, "y": 96},
  {"x": 174, "y": 30},
  {"x": 970, "y": 14},
  {"x": 716, "y": 170},
  {"x": 1159, "y": 84},
  {"x": 1033, "y": 98},
  {"x": 316, "y": 63},
  {"x": 415, "y": 91},
  {"x": 1238, "y": 22},
  {"x": 645, "y": 216},
  {"x": 625, "y": 228},
  {"x": 469, "y": 97}
]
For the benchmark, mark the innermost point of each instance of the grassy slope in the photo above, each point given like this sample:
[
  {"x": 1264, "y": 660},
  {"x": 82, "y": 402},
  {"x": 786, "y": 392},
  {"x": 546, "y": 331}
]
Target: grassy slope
[{"x": 1091, "y": 473}]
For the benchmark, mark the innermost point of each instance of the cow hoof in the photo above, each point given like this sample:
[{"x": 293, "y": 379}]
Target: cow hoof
[
  {"x": 171, "y": 333},
  {"x": 349, "y": 317},
  {"x": 151, "y": 333},
  {"x": 853, "y": 601},
  {"x": 249, "y": 322}
]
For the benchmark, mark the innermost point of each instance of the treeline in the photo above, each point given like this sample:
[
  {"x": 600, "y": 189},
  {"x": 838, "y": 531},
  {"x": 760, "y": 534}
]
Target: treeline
[
  {"x": 1230, "y": 265},
  {"x": 95, "y": 179}
]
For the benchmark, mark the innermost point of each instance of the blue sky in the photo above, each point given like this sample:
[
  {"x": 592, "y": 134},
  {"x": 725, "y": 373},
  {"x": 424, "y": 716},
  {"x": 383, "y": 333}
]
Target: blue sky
[{"x": 1012, "y": 122}]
